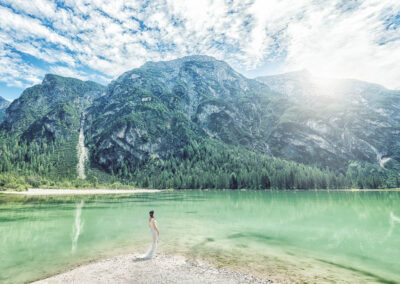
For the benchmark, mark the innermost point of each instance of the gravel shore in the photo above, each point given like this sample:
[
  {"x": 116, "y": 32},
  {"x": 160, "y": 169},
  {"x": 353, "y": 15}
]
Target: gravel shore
[{"x": 161, "y": 269}]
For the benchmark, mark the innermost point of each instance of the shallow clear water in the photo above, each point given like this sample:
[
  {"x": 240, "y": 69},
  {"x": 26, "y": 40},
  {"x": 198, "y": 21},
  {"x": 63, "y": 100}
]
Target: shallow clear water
[{"x": 357, "y": 231}]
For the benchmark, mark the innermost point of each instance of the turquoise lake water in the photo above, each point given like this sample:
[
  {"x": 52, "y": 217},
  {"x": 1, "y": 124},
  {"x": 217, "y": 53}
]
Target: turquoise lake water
[{"x": 354, "y": 231}]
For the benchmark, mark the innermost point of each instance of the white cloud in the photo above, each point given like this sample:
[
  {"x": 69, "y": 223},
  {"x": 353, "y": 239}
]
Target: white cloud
[
  {"x": 333, "y": 43},
  {"x": 333, "y": 38},
  {"x": 15, "y": 72},
  {"x": 27, "y": 28},
  {"x": 36, "y": 8}
]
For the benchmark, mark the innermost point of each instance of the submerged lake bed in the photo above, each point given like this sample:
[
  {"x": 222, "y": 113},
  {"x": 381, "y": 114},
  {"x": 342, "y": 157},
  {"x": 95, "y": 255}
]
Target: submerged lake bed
[{"x": 286, "y": 236}]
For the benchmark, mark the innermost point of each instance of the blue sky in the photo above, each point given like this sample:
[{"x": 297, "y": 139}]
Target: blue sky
[{"x": 98, "y": 40}]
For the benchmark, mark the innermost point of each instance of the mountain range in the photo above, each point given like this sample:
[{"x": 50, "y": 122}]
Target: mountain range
[{"x": 150, "y": 115}]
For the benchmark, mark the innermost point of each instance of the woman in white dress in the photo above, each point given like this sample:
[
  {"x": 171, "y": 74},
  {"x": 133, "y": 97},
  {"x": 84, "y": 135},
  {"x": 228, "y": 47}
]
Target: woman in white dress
[{"x": 155, "y": 233}]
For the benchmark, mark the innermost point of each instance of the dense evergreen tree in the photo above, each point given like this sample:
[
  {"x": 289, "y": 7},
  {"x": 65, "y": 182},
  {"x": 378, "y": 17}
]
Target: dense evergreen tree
[{"x": 200, "y": 164}]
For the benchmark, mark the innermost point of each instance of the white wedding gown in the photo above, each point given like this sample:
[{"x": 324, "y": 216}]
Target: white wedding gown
[{"x": 152, "y": 249}]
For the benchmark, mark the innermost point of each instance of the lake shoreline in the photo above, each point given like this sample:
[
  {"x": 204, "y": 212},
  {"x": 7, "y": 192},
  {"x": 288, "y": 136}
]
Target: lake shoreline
[
  {"x": 177, "y": 268},
  {"x": 163, "y": 268},
  {"x": 43, "y": 191},
  {"x": 95, "y": 191}
]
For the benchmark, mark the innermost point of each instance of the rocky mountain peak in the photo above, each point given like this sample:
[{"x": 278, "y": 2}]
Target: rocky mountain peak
[
  {"x": 48, "y": 78},
  {"x": 178, "y": 61},
  {"x": 4, "y": 103},
  {"x": 38, "y": 101},
  {"x": 191, "y": 76}
]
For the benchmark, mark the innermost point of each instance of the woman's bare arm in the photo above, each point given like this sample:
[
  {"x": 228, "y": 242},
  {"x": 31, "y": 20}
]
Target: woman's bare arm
[{"x": 155, "y": 227}]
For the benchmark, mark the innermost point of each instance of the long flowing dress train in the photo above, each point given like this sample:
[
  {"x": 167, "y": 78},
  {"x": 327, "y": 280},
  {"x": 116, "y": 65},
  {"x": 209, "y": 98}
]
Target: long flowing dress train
[{"x": 150, "y": 253}]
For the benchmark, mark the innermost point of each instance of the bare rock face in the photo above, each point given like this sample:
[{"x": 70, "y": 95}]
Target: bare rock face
[{"x": 331, "y": 122}]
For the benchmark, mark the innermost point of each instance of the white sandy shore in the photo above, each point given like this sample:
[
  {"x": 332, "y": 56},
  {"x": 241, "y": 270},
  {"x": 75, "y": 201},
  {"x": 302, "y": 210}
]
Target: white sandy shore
[
  {"x": 42, "y": 191},
  {"x": 176, "y": 269},
  {"x": 161, "y": 269}
]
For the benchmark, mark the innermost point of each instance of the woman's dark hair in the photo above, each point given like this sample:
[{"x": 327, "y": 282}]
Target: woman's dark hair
[{"x": 151, "y": 213}]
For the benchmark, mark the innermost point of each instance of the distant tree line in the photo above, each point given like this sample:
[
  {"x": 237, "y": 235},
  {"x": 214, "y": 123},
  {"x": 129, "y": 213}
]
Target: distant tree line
[
  {"x": 206, "y": 164},
  {"x": 212, "y": 165}
]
